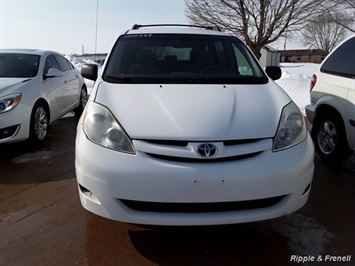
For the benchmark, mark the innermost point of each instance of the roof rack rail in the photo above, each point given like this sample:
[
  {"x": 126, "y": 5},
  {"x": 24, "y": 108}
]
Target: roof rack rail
[{"x": 137, "y": 26}]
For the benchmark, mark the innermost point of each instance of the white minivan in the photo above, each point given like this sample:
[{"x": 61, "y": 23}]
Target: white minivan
[
  {"x": 183, "y": 127},
  {"x": 332, "y": 108}
]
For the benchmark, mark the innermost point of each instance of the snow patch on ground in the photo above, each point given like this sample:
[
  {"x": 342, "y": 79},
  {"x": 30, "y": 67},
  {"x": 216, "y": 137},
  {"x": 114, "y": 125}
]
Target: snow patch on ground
[
  {"x": 297, "y": 87},
  {"x": 295, "y": 81},
  {"x": 307, "y": 69},
  {"x": 303, "y": 233},
  {"x": 78, "y": 63},
  {"x": 36, "y": 156}
]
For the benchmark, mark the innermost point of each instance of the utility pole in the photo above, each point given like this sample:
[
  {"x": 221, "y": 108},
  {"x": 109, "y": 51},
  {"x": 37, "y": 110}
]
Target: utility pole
[
  {"x": 97, "y": 20},
  {"x": 82, "y": 49}
]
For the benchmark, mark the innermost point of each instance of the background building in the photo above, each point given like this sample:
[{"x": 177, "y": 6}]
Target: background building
[
  {"x": 269, "y": 56},
  {"x": 303, "y": 56}
]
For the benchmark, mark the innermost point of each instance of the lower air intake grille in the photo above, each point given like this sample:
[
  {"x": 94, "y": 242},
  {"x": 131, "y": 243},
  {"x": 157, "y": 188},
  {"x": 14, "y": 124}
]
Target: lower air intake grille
[{"x": 201, "y": 207}]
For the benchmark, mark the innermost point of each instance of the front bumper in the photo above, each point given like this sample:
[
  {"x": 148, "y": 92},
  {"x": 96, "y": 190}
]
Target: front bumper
[
  {"x": 14, "y": 125},
  {"x": 311, "y": 112},
  {"x": 130, "y": 188}
]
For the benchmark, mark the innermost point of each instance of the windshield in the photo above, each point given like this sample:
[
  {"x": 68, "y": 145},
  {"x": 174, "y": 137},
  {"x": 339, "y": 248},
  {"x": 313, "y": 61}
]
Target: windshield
[
  {"x": 14, "y": 65},
  {"x": 182, "y": 58}
]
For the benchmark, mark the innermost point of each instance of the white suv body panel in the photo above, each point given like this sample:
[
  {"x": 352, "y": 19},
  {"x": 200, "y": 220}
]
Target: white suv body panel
[
  {"x": 338, "y": 92},
  {"x": 350, "y": 108}
]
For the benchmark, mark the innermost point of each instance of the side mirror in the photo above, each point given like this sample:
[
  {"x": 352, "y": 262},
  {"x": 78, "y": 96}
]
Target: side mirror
[
  {"x": 89, "y": 71},
  {"x": 274, "y": 72},
  {"x": 54, "y": 73}
]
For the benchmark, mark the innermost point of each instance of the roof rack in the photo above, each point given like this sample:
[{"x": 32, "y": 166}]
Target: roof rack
[{"x": 137, "y": 26}]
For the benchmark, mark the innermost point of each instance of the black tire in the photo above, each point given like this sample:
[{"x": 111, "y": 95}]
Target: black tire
[
  {"x": 330, "y": 139},
  {"x": 82, "y": 102},
  {"x": 39, "y": 123}
]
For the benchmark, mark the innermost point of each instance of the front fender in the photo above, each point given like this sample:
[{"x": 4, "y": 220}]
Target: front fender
[{"x": 335, "y": 103}]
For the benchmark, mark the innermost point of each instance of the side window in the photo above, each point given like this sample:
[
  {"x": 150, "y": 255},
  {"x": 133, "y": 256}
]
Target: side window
[
  {"x": 341, "y": 61},
  {"x": 70, "y": 64},
  {"x": 50, "y": 63},
  {"x": 243, "y": 64},
  {"x": 63, "y": 63}
]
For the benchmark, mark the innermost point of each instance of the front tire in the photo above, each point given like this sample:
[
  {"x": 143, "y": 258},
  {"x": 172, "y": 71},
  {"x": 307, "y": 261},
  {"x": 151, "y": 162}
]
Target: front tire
[
  {"x": 82, "y": 102},
  {"x": 330, "y": 139},
  {"x": 39, "y": 123}
]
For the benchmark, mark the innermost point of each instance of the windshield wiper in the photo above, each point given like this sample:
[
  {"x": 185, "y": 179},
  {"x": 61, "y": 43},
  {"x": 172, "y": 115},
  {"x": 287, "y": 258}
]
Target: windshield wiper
[{"x": 123, "y": 78}]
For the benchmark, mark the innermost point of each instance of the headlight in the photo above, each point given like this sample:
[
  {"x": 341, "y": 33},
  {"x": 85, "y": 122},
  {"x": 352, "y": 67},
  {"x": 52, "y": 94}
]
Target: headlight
[
  {"x": 9, "y": 102},
  {"x": 101, "y": 127},
  {"x": 292, "y": 128}
]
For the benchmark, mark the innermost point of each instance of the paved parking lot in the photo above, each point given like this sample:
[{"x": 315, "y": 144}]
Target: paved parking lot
[{"x": 43, "y": 222}]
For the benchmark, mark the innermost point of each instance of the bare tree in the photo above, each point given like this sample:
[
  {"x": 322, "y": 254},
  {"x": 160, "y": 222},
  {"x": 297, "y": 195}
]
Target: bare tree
[
  {"x": 324, "y": 32},
  {"x": 346, "y": 8},
  {"x": 258, "y": 22}
]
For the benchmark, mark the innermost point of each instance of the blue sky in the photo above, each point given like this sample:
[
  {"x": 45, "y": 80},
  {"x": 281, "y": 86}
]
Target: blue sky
[
  {"x": 67, "y": 25},
  {"x": 64, "y": 26}
]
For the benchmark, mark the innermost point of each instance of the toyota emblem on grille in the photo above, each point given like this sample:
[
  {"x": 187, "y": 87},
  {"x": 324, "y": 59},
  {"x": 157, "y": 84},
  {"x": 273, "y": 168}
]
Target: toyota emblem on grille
[{"x": 207, "y": 150}]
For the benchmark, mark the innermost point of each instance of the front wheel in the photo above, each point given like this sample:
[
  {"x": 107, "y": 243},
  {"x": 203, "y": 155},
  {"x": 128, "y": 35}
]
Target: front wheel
[
  {"x": 330, "y": 139},
  {"x": 39, "y": 123},
  {"x": 82, "y": 102}
]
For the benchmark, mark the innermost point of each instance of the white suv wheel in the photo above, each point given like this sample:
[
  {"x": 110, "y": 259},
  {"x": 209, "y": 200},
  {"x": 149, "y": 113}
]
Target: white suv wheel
[{"x": 330, "y": 139}]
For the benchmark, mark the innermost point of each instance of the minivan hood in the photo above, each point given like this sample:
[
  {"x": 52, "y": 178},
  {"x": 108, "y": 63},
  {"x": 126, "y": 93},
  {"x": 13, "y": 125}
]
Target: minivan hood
[
  {"x": 195, "y": 112},
  {"x": 11, "y": 85}
]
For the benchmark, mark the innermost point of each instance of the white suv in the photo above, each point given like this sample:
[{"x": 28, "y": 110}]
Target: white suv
[
  {"x": 332, "y": 108},
  {"x": 183, "y": 127}
]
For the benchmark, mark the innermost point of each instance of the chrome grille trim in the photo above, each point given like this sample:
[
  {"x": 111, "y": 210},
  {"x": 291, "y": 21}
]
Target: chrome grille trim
[
  {"x": 190, "y": 152},
  {"x": 203, "y": 160}
]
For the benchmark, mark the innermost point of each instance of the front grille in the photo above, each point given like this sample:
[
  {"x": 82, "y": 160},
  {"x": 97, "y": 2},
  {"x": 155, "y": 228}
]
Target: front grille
[
  {"x": 180, "y": 143},
  {"x": 201, "y": 207},
  {"x": 183, "y": 143},
  {"x": 201, "y": 160},
  {"x": 239, "y": 141}
]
